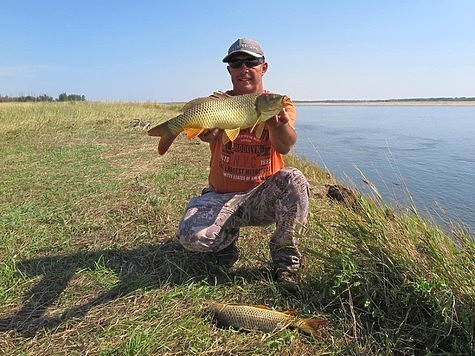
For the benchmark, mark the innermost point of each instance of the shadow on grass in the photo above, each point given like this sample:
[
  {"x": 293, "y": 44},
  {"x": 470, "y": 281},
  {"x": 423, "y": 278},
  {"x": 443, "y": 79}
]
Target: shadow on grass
[{"x": 146, "y": 267}]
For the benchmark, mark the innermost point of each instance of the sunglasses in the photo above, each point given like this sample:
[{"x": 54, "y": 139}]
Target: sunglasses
[{"x": 249, "y": 63}]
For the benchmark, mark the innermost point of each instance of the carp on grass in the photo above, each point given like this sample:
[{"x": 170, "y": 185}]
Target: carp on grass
[
  {"x": 220, "y": 111},
  {"x": 262, "y": 318}
]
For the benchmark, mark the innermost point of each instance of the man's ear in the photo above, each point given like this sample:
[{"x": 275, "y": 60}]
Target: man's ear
[{"x": 265, "y": 65}]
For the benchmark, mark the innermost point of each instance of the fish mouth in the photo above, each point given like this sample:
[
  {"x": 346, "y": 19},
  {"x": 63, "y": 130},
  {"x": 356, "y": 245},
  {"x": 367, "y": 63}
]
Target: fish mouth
[{"x": 286, "y": 100}]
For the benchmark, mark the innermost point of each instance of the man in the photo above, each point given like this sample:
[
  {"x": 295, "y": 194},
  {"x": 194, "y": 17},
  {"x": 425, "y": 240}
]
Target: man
[{"x": 248, "y": 184}]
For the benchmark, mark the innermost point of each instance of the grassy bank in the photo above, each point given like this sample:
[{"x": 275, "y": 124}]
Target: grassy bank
[{"x": 89, "y": 263}]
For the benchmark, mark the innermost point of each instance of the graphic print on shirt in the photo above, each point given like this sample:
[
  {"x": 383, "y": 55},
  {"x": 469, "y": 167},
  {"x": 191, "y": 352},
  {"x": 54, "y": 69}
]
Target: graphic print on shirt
[{"x": 245, "y": 152}]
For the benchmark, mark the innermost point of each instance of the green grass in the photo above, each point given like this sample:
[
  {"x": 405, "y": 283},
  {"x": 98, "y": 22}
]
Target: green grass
[{"x": 89, "y": 263}]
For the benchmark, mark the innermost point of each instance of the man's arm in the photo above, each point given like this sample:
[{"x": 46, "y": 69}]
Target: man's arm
[{"x": 282, "y": 135}]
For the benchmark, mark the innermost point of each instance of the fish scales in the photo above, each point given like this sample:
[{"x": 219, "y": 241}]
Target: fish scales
[
  {"x": 221, "y": 111},
  {"x": 251, "y": 318},
  {"x": 262, "y": 319}
]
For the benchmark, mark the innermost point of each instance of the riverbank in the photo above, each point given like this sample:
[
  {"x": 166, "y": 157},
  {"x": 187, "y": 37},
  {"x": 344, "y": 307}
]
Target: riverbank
[{"x": 90, "y": 263}]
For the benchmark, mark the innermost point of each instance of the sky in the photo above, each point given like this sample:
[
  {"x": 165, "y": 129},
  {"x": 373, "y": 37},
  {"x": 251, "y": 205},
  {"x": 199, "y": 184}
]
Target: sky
[{"x": 166, "y": 51}]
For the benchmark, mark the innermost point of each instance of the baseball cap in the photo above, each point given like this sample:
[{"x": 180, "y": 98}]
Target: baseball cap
[{"x": 244, "y": 45}]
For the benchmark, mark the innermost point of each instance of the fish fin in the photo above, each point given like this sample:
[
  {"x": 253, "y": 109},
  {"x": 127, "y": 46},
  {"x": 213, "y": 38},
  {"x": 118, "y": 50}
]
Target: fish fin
[
  {"x": 232, "y": 133},
  {"x": 292, "y": 312},
  {"x": 191, "y": 132},
  {"x": 194, "y": 102},
  {"x": 260, "y": 124},
  {"x": 219, "y": 95},
  {"x": 166, "y": 136},
  {"x": 260, "y": 129},
  {"x": 197, "y": 101},
  {"x": 157, "y": 130},
  {"x": 260, "y": 306},
  {"x": 255, "y": 124},
  {"x": 224, "y": 138},
  {"x": 311, "y": 326}
]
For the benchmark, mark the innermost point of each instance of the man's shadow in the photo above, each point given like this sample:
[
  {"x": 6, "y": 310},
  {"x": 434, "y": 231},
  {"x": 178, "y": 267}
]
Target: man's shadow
[{"x": 145, "y": 267}]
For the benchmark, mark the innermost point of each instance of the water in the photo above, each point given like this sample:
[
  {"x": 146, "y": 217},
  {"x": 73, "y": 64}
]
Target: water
[{"x": 421, "y": 155}]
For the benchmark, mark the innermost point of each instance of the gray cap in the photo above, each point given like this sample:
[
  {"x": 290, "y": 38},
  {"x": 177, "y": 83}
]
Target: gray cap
[{"x": 244, "y": 45}]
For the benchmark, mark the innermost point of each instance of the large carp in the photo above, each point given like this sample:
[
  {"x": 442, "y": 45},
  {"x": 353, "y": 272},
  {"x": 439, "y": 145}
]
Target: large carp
[
  {"x": 220, "y": 111},
  {"x": 262, "y": 318}
]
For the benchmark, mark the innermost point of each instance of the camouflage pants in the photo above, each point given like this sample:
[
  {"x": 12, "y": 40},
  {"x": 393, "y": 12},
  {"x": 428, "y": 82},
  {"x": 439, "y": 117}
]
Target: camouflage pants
[{"x": 211, "y": 221}]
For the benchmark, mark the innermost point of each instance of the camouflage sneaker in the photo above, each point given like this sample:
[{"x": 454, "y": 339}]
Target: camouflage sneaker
[
  {"x": 288, "y": 281},
  {"x": 228, "y": 256}
]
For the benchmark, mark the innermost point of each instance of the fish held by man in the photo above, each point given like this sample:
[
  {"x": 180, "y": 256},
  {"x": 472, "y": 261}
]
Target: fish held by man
[
  {"x": 220, "y": 111},
  {"x": 261, "y": 318}
]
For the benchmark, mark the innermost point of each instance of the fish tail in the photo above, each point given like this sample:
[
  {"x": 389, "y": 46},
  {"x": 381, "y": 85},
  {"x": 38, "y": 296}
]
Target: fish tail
[
  {"x": 311, "y": 326},
  {"x": 166, "y": 136}
]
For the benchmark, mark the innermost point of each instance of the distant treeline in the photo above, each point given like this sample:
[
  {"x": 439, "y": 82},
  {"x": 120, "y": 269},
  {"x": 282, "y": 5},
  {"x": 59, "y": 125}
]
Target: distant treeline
[
  {"x": 43, "y": 97},
  {"x": 463, "y": 98}
]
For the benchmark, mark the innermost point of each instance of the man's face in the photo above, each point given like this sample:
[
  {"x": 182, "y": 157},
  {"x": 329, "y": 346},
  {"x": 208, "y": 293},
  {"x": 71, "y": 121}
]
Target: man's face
[{"x": 246, "y": 79}]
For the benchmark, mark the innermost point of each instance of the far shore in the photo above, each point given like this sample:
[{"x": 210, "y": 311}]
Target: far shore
[{"x": 388, "y": 103}]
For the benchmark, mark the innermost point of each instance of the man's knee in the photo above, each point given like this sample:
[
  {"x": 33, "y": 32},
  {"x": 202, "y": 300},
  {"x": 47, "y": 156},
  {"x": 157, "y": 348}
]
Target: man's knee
[
  {"x": 294, "y": 184},
  {"x": 296, "y": 176},
  {"x": 206, "y": 238},
  {"x": 195, "y": 238}
]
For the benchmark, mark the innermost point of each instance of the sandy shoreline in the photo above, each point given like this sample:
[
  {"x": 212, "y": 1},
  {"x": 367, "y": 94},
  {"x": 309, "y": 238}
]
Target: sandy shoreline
[{"x": 389, "y": 103}]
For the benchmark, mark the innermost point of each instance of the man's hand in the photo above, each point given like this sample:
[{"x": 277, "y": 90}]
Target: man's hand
[
  {"x": 282, "y": 118},
  {"x": 210, "y": 135},
  {"x": 282, "y": 135}
]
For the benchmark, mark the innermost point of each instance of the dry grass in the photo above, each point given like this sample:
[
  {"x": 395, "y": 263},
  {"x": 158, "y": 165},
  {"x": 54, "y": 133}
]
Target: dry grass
[{"x": 90, "y": 265}]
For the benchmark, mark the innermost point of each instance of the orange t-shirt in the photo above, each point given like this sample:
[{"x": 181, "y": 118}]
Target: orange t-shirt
[{"x": 245, "y": 163}]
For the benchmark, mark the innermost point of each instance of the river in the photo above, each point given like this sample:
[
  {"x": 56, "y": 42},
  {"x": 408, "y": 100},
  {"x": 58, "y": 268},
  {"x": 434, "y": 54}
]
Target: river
[{"x": 420, "y": 155}]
